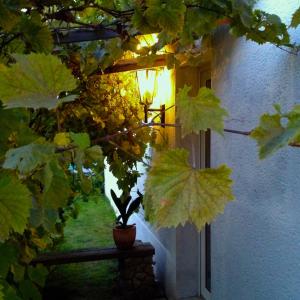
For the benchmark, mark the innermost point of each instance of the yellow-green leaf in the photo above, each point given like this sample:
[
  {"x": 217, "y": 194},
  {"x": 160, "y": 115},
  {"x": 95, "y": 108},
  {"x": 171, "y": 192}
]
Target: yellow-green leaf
[
  {"x": 62, "y": 139},
  {"x": 201, "y": 112},
  {"x": 271, "y": 134},
  {"x": 36, "y": 81},
  {"x": 175, "y": 193}
]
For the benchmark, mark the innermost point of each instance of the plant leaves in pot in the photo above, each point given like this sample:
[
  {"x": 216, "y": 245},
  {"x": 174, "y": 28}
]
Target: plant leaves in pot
[{"x": 124, "y": 234}]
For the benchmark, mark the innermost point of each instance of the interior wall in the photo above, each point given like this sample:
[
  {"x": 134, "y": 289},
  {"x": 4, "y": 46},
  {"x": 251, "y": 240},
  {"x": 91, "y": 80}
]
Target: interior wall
[{"x": 256, "y": 242}]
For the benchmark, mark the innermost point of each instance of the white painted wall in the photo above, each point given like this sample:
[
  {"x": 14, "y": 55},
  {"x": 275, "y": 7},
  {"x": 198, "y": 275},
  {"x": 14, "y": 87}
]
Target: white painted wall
[{"x": 256, "y": 242}]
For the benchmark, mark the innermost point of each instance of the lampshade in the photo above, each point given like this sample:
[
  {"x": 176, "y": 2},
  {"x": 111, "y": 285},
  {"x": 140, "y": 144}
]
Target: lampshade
[{"x": 147, "y": 85}]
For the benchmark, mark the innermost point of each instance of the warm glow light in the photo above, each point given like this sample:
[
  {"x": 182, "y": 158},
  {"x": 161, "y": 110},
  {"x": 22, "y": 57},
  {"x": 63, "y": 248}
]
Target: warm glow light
[
  {"x": 147, "y": 85},
  {"x": 163, "y": 92},
  {"x": 155, "y": 86},
  {"x": 147, "y": 40}
]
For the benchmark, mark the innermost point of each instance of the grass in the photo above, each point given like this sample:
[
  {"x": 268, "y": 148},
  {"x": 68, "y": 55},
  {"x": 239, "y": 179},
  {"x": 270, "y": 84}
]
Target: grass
[{"x": 92, "y": 280}]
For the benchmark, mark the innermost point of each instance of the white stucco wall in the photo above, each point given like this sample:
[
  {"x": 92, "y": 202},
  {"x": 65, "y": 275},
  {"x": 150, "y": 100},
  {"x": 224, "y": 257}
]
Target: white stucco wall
[{"x": 256, "y": 242}]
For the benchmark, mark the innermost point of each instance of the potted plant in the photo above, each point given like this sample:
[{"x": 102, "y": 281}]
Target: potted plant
[{"x": 124, "y": 234}]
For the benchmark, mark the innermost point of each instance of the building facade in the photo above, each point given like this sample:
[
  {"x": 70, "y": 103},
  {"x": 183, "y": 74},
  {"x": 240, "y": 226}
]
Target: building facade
[{"x": 251, "y": 252}]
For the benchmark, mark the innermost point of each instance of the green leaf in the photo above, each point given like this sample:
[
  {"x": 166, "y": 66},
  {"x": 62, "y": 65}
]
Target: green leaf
[
  {"x": 175, "y": 193},
  {"x": 113, "y": 52},
  {"x": 27, "y": 158},
  {"x": 1, "y": 291},
  {"x": 244, "y": 10},
  {"x": 41, "y": 216},
  {"x": 9, "y": 291},
  {"x": 94, "y": 154},
  {"x": 35, "y": 81},
  {"x": 201, "y": 112},
  {"x": 36, "y": 34},
  {"x": 81, "y": 140},
  {"x": 140, "y": 22},
  {"x": 29, "y": 291},
  {"x": 8, "y": 19},
  {"x": 15, "y": 204},
  {"x": 18, "y": 271},
  {"x": 10, "y": 252},
  {"x": 38, "y": 274},
  {"x": 271, "y": 135},
  {"x": 56, "y": 186},
  {"x": 14, "y": 129},
  {"x": 169, "y": 16},
  {"x": 296, "y": 18}
]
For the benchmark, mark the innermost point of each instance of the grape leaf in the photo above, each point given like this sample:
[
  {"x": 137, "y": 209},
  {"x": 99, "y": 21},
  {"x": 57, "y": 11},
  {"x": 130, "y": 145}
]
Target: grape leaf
[
  {"x": 81, "y": 140},
  {"x": 18, "y": 271},
  {"x": 296, "y": 18},
  {"x": 29, "y": 290},
  {"x": 113, "y": 52},
  {"x": 27, "y": 158},
  {"x": 10, "y": 252},
  {"x": 62, "y": 139},
  {"x": 8, "y": 18},
  {"x": 9, "y": 291},
  {"x": 201, "y": 112},
  {"x": 35, "y": 81},
  {"x": 94, "y": 154},
  {"x": 14, "y": 129},
  {"x": 56, "y": 186},
  {"x": 36, "y": 33},
  {"x": 140, "y": 22},
  {"x": 38, "y": 274},
  {"x": 15, "y": 204},
  {"x": 169, "y": 16},
  {"x": 244, "y": 9},
  {"x": 1, "y": 292},
  {"x": 45, "y": 217},
  {"x": 271, "y": 135},
  {"x": 175, "y": 193}
]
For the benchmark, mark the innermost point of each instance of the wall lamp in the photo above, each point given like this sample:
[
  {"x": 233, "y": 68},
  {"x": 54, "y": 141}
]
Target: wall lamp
[{"x": 147, "y": 84}]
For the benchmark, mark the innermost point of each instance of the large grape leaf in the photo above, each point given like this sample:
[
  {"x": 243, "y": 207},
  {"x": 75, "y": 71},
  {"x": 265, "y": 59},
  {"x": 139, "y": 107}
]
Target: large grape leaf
[
  {"x": 169, "y": 16},
  {"x": 27, "y": 158},
  {"x": 175, "y": 193},
  {"x": 199, "y": 113},
  {"x": 15, "y": 204},
  {"x": 271, "y": 134},
  {"x": 35, "y": 81}
]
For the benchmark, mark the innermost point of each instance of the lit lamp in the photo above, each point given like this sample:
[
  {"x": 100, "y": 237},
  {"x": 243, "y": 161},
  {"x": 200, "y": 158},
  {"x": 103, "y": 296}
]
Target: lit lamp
[{"x": 147, "y": 83}]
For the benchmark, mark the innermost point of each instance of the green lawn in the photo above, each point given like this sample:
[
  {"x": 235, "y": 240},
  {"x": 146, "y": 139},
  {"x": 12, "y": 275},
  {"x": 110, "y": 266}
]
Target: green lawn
[{"x": 90, "y": 281}]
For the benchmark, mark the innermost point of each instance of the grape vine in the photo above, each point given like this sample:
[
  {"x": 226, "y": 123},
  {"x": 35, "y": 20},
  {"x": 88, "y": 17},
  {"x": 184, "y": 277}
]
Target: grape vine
[{"x": 59, "y": 114}]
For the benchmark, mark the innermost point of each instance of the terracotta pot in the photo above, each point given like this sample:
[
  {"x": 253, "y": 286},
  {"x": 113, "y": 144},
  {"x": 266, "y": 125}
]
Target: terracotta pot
[{"x": 124, "y": 237}]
